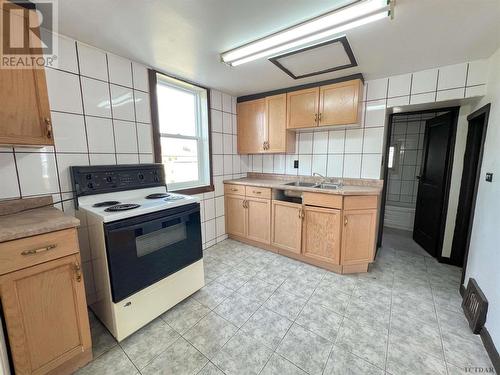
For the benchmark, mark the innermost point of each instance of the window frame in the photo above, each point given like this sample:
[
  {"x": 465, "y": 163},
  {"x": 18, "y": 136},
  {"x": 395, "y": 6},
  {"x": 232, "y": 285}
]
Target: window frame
[{"x": 157, "y": 135}]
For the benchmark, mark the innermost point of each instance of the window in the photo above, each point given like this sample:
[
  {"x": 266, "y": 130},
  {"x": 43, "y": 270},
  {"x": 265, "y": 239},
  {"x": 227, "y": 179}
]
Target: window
[{"x": 182, "y": 128}]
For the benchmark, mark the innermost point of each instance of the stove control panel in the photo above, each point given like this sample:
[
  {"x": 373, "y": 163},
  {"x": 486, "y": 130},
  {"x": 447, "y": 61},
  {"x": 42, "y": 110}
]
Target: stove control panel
[{"x": 109, "y": 178}]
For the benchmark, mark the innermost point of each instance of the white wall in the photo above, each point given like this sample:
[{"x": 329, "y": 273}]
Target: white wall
[{"x": 484, "y": 253}]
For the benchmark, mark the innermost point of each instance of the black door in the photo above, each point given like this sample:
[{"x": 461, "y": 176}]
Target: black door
[
  {"x": 432, "y": 183},
  {"x": 468, "y": 188}
]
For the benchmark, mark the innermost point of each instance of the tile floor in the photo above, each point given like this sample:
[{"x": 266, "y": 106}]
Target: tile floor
[{"x": 261, "y": 313}]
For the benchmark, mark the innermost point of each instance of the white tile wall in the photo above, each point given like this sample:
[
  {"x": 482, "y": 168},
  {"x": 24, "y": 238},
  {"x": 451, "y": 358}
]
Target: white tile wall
[{"x": 357, "y": 152}]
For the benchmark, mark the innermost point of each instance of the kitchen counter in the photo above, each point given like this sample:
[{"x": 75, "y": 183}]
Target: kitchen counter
[
  {"x": 21, "y": 218},
  {"x": 366, "y": 187}
]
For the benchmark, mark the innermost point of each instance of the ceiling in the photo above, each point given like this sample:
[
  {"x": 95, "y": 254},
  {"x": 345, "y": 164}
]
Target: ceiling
[{"x": 185, "y": 37}]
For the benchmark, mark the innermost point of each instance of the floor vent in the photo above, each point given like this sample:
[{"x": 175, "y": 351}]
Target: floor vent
[{"x": 475, "y": 306}]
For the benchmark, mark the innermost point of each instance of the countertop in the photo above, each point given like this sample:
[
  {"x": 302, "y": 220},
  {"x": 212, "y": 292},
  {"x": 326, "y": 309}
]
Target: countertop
[
  {"x": 274, "y": 183},
  {"x": 32, "y": 221}
]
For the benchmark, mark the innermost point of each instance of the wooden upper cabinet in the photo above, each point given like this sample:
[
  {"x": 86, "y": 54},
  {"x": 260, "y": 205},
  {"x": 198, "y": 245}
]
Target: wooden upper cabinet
[
  {"x": 259, "y": 219},
  {"x": 302, "y": 108},
  {"x": 321, "y": 234},
  {"x": 278, "y": 138},
  {"x": 46, "y": 316},
  {"x": 235, "y": 215},
  {"x": 339, "y": 103},
  {"x": 24, "y": 112},
  {"x": 358, "y": 236},
  {"x": 251, "y": 126},
  {"x": 286, "y": 226}
]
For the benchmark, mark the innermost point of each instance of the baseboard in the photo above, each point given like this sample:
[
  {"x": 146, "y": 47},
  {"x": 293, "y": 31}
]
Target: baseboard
[
  {"x": 462, "y": 290},
  {"x": 492, "y": 351}
]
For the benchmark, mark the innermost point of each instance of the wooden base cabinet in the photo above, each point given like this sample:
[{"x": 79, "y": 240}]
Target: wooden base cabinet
[
  {"x": 45, "y": 312},
  {"x": 359, "y": 236},
  {"x": 321, "y": 234},
  {"x": 287, "y": 226},
  {"x": 248, "y": 217}
]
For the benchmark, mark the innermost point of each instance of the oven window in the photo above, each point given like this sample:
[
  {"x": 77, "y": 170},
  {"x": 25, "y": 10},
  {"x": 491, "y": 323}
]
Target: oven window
[{"x": 160, "y": 239}]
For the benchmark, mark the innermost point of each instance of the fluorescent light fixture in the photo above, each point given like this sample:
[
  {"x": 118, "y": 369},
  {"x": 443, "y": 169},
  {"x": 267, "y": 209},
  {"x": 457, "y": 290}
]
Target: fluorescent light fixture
[{"x": 309, "y": 32}]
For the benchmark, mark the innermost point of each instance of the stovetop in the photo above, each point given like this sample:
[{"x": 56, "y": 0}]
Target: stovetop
[{"x": 99, "y": 204}]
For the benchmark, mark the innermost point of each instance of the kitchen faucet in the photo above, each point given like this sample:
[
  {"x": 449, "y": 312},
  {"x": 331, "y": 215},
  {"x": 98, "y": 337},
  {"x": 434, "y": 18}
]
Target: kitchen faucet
[{"x": 327, "y": 180}]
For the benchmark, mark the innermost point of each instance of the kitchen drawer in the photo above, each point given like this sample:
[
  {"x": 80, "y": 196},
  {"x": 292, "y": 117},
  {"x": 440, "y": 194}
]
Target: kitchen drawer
[
  {"x": 29, "y": 251},
  {"x": 360, "y": 202},
  {"x": 322, "y": 200},
  {"x": 234, "y": 189},
  {"x": 258, "y": 192}
]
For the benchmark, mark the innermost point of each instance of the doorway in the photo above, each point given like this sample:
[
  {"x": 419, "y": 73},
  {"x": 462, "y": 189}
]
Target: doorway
[
  {"x": 417, "y": 174},
  {"x": 476, "y": 135}
]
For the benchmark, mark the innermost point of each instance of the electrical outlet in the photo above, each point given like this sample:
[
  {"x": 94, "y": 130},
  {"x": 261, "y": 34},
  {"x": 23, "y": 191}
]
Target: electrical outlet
[
  {"x": 295, "y": 164},
  {"x": 489, "y": 177}
]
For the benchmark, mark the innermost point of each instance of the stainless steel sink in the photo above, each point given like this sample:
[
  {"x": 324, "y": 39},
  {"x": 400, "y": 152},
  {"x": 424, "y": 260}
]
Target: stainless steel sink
[
  {"x": 301, "y": 184},
  {"x": 327, "y": 186}
]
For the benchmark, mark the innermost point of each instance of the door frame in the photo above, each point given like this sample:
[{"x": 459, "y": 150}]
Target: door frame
[
  {"x": 483, "y": 111},
  {"x": 455, "y": 111}
]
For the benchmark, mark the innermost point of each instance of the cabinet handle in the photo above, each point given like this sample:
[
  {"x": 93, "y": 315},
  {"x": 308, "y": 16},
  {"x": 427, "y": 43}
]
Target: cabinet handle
[
  {"x": 256, "y": 192},
  {"x": 315, "y": 117},
  {"x": 39, "y": 250},
  {"x": 301, "y": 213},
  {"x": 48, "y": 125},
  {"x": 345, "y": 221},
  {"x": 234, "y": 189},
  {"x": 78, "y": 272},
  {"x": 243, "y": 203},
  {"x": 319, "y": 117}
]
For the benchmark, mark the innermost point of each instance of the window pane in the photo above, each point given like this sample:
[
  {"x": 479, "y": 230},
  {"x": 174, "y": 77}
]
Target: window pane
[
  {"x": 180, "y": 159},
  {"x": 177, "y": 110}
]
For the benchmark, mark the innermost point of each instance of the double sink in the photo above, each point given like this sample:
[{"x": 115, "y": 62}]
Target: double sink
[{"x": 323, "y": 185}]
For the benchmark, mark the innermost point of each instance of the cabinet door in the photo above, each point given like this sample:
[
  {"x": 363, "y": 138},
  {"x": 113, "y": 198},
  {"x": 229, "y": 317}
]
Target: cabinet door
[
  {"x": 358, "y": 236},
  {"x": 286, "y": 226},
  {"x": 321, "y": 234},
  {"x": 259, "y": 220},
  {"x": 24, "y": 113},
  {"x": 251, "y": 126},
  {"x": 302, "y": 108},
  {"x": 235, "y": 215},
  {"x": 46, "y": 314},
  {"x": 339, "y": 103},
  {"x": 279, "y": 139}
]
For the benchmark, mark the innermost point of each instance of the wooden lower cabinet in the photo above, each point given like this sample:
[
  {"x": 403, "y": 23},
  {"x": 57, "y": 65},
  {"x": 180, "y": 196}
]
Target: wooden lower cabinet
[
  {"x": 286, "y": 222},
  {"x": 321, "y": 234},
  {"x": 45, "y": 312},
  {"x": 359, "y": 236},
  {"x": 235, "y": 215},
  {"x": 258, "y": 220}
]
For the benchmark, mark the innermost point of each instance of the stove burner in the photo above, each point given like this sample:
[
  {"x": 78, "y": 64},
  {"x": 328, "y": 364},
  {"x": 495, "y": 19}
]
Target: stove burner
[
  {"x": 106, "y": 203},
  {"x": 157, "y": 196},
  {"x": 174, "y": 198},
  {"x": 122, "y": 207}
]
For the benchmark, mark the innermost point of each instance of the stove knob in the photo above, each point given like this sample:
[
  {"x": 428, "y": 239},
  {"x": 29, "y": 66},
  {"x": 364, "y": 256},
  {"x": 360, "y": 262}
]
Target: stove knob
[
  {"x": 90, "y": 185},
  {"x": 88, "y": 177},
  {"x": 156, "y": 179},
  {"x": 141, "y": 176},
  {"x": 109, "y": 179}
]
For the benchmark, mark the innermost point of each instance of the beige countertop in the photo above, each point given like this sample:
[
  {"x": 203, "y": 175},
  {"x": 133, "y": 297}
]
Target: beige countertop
[
  {"x": 275, "y": 183},
  {"x": 32, "y": 221}
]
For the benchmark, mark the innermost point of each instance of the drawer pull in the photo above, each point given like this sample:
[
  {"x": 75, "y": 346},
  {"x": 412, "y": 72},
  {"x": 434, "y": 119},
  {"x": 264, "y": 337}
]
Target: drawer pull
[
  {"x": 345, "y": 221},
  {"x": 257, "y": 192},
  {"x": 234, "y": 189},
  {"x": 39, "y": 250},
  {"x": 78, "y": 272}
]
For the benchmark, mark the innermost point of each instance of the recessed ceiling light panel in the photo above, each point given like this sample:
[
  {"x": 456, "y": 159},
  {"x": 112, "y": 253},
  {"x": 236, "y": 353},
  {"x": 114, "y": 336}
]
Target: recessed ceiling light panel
[{"x": 310, "y": 32}]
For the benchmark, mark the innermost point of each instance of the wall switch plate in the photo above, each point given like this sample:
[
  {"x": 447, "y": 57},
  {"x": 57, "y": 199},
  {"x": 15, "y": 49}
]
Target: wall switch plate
[
  {"x": 489, "y": 177},
  {"x": 295, "y": 163}
]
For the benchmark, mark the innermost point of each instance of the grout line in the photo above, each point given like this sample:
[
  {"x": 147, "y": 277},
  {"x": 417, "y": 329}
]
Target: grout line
[{"x": 111, "y": 109}]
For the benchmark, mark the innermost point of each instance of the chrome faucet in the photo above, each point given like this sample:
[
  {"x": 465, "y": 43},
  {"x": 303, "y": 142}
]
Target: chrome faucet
[{"x": 326, "y": 180}]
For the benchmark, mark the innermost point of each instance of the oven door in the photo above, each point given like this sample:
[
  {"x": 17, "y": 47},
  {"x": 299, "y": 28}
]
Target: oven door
[{"x": 145, "y": 249}]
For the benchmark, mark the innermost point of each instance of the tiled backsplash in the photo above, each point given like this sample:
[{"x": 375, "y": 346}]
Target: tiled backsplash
[
  {"x": 357, "y": 152},
  {"x": 100, "y": 112}
]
